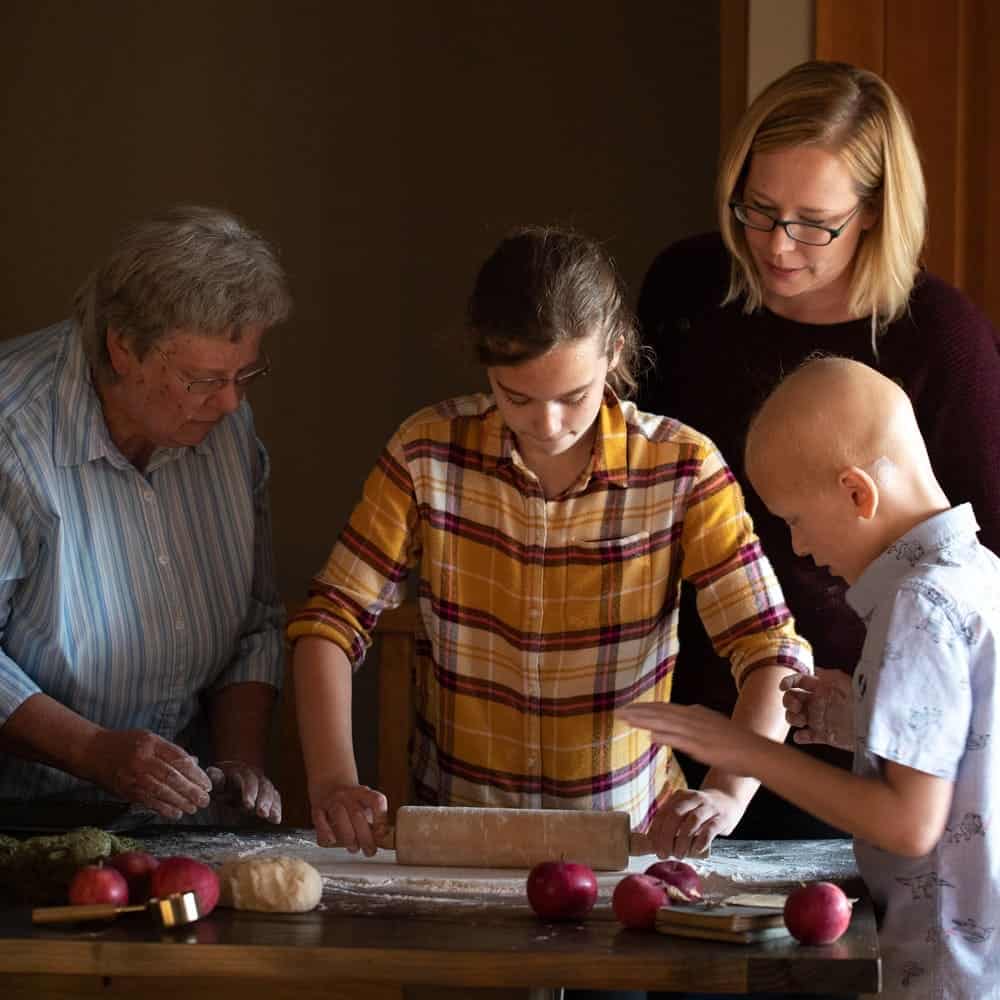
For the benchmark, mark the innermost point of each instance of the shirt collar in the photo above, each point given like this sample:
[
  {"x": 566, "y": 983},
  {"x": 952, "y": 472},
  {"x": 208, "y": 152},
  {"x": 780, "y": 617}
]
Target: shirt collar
[
  {"x": 919, "y": 544},
  {"x": 610, "y": 446},
  {"x": 81, "y": 435},
  {"x": 80, "y": 430}
]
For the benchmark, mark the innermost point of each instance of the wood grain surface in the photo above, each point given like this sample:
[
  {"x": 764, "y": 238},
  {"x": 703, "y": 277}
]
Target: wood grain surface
[{"x": 442, "y": 940}]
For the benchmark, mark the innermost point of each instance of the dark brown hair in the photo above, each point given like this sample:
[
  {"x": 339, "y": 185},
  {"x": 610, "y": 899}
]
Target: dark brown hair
[{"x": 544, "y": 286}]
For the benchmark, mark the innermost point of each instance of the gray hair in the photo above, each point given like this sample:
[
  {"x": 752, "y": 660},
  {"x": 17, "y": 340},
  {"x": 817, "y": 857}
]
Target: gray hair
[{"x": 191, "y": 268}]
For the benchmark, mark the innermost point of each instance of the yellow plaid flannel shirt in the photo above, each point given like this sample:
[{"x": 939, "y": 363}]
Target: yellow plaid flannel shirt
[{"x": 542, "y": 616}]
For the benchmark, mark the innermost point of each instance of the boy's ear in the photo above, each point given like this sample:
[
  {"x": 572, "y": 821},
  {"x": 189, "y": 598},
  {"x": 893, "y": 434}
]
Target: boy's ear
[{"x": 861, "y": 489}]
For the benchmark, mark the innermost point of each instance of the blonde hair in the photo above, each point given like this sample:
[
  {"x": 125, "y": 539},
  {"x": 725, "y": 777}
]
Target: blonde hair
[
  {"x": 854, "y": 114},
  {"x": 190, "y": 267}
]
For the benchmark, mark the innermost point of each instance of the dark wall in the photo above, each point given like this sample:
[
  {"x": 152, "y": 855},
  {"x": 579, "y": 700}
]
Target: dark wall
[{"x": 385, "y": 148}]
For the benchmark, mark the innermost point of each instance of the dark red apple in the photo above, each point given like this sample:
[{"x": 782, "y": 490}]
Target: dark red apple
[
  {"x": 679, "y": 875},
  {"x": 137, "y": 867},
  {"x": 186, "y": 875},
  {"x": 637, "y": 898},
  {"x": 562, "y": 890},
  {"x": 98, "y": 884},
  {"x": 818, "y": 913}
]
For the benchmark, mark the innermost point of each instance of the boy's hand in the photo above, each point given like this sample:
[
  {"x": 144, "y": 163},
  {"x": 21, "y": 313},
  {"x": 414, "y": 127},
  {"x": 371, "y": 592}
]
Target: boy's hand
[
  {"x": 708, "y": 736},
  {"x": 688, "y": 822},
  {"x": 349, "y": 816},
  {"x": 820, "y": 708}
]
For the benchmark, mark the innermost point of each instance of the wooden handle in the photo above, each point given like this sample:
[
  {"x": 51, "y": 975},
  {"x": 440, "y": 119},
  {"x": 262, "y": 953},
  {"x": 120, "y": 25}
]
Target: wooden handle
[
  {"x": 639, "y": 844},
  {"x": 70, "y": 914}
]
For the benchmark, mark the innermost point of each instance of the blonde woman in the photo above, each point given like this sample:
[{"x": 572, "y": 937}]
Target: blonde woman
[{"x": 822, "y": 213}]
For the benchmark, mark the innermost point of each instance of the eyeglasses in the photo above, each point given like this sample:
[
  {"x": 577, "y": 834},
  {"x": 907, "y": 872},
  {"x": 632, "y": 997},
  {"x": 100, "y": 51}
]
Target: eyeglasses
[
  {"x": 209, "y": 386},
  {"x": 811, "y": 233}
]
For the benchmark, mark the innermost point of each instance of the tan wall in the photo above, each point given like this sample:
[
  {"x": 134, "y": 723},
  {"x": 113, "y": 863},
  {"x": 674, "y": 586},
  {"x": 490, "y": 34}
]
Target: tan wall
[
  {"x": 384, "y": 147},
  {"x": 780, "y": 36}
]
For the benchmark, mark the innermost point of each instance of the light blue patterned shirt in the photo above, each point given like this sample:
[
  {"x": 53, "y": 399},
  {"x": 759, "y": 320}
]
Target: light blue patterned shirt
[
  {"x": 123, "y": 595},
  {"x": 927, "y": 697}
]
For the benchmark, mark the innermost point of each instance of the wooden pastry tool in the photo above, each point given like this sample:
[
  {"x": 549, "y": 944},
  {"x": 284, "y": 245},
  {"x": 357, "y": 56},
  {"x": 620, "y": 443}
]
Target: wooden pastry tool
[
  {"x": 172, "y": 911},
  {"x": 513, "y": 838}
]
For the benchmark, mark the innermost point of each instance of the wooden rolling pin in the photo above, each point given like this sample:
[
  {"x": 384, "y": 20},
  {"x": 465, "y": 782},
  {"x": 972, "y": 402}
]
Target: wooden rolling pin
[{"x": 512, "y": 838}]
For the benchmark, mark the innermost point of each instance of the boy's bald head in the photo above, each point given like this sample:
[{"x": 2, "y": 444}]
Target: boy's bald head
[
  {"x": 831, "y": 414},
  {"x": 836, "y": 452}
]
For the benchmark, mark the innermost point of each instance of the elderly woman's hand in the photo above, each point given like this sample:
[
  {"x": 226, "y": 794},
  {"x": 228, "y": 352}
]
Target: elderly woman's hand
[
  {"x": 143, "y": 768},
  {"x": 247, "y": 787}
]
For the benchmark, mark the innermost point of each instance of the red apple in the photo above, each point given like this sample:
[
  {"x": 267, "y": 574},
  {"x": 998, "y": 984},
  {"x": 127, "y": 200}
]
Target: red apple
[
  {"x": 186, "y": 875},
  {"x": 137, "y": 867},
  {"x": 637, "y": 898},
  {"x": 679, "y": 875},
  {"x": 818, "y": 913},
  {"x": 562, "y": 890},
  {"x": 98, "y": 884}
]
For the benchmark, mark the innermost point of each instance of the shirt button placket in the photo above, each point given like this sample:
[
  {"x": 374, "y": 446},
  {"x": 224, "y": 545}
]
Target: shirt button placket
[{"x": 533, "y": 662}]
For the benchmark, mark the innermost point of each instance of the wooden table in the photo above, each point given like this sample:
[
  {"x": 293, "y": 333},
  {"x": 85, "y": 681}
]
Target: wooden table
[{"x": 341, "y": 955}]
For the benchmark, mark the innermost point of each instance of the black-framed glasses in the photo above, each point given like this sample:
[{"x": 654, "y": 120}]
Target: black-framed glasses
[
  {"x": 811, "y": 233},
  {"x": 209, "y": 386}
]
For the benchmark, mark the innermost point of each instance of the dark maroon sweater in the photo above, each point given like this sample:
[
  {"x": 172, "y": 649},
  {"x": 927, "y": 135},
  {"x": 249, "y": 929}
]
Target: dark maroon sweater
[{"x": 714, "y": 368}]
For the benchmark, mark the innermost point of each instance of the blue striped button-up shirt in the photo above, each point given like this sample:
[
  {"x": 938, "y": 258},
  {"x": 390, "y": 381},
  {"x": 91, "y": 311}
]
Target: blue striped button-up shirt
[{"x": 123, "y": 594}]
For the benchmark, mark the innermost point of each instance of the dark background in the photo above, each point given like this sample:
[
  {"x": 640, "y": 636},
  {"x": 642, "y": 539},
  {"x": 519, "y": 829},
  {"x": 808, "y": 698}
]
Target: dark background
[{"x": 385, "y": 149}]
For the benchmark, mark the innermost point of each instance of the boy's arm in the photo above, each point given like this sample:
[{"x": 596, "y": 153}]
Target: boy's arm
[
  {"x": 903, "y": 811},
  {"x": 691, "y": 819}
]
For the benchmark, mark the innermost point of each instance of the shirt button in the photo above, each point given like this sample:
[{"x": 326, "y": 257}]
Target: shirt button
[
  {"x": 163, "y": 561},
  {"x": 147, "y": 495},
  {"x": 179, "y": 625}
]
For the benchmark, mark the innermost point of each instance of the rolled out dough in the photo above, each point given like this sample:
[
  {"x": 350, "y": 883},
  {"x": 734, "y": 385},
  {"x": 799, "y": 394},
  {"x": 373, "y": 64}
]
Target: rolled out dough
[{"x": 273, "y": 885}]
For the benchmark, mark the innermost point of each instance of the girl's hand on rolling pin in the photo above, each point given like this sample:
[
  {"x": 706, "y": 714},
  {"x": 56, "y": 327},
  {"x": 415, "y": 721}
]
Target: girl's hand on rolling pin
[{"x": 348, "y": 816}]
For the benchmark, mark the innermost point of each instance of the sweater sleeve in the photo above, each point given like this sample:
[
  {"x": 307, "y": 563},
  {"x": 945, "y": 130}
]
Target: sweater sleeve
[
  {"x": 959, "y": 406},
  {"x": 683, "y": 283}
]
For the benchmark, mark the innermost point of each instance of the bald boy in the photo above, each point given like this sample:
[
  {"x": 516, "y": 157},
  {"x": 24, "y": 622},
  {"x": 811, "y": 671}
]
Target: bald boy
[{"x": 836, "y": 452}]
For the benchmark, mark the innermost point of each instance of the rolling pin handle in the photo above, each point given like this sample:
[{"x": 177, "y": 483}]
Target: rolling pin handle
[
  {"x": 639, "y": 844},
  {"x": 71, "y": 914}
]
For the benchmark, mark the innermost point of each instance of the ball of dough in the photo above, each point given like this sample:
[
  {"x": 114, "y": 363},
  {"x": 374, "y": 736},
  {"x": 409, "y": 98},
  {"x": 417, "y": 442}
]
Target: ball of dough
[{"x": 271, "y": 885}]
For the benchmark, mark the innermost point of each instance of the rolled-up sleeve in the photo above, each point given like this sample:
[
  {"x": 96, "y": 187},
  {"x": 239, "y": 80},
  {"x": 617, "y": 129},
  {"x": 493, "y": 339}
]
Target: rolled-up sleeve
[
  {"x": 368, "y": 566},
  {"x": 739, "y": 597},
  {"x": 18, "y": 546}
]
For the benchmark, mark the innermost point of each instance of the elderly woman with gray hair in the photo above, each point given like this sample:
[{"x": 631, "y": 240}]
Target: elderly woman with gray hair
[{"x": 135, "y": 554}]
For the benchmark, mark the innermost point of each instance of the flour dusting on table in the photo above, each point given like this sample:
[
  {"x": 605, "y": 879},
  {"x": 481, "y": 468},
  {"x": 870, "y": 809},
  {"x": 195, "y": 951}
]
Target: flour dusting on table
[{"x": 354, "y": 884}]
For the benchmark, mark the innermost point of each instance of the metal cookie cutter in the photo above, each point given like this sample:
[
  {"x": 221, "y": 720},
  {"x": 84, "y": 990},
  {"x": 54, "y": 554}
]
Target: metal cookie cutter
[{"x": 175, "y": 910}]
